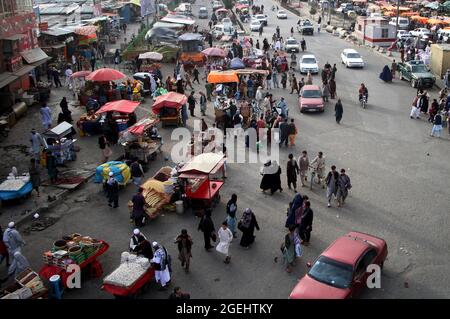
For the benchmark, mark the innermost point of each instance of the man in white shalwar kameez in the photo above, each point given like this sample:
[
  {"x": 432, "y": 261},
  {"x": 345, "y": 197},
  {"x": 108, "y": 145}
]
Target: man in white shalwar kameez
[
  {"x": 225, "y": 238},
  {"x": 14, "y": 243},
  {"x": 162, "y": 276}
]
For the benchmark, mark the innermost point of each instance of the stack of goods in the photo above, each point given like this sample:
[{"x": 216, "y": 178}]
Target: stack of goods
[
  {"x": 131, "y": 269},
  {"x": 74, "y": 249},
  {"x": 28, "y": 285},
  {"x": 154, "y": 202}
]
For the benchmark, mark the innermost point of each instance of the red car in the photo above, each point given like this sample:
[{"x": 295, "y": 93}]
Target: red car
[
  {"x": 341, "y": 271},
  {"x": 311, "y": 99}
]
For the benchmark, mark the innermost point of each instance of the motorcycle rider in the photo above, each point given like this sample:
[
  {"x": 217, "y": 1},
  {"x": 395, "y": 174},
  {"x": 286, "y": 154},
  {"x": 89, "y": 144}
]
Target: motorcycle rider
[{"x": 363, "y": 92}]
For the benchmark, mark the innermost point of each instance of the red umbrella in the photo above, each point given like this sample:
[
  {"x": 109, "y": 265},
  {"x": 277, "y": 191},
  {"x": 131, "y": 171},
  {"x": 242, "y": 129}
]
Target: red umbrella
[
  {"x": 81, "y": 74},
  {"x": 170, "y": 100},
  {"x": 105, "y": 75},
  {"x": 122, "y": 106},
  {"x": 214, "y": 52}
]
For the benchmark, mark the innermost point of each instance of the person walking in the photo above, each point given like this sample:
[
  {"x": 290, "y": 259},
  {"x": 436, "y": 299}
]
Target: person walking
[
  {"x": 332, "y": 85},
  {"x": 187, "y": 81},
  {"x": 437, "y": 126},
  {"x": 103, "y": 144},
  {"x": 203, "y": 102},
  {"x": 303, "y": 163},
  {"x": 3, "y": 250},
  {"x": 206, "y": 226},
  {"x": 447, "y": 79},
  {"x": 288, "y": 248},
  {"x": 344, "y": 185},
  {"x": 284, "y": 132},
  {"x": 69, "y": 81},
  {"x": 55, "y": 74},
  {"x": 137, "y": 172},
  {"x": 338, "y": 111},
  {"x": 306, "y": 222},
  {"x": 225, "y": 239},
  {"x": 276, "y": 85},
  {"x": 283, "y": 79},
  {"x": 138, "y": 212},
  {"x": 325, "y": 91},
  {"x": 37, "y": 142},
  {"x": 393, "y": 69},
  {"x": 292, "y": 133},
  {"x": 196, "y": 74},
  {"x": 14, "y": 243},
  {"x": 231, "y": 214},
  {"x": 35, "y": 175},
  {"x": 247, "y": 226},
  {"x": 52, "y": 170},
  {"x": 46, "y": 116},
  {"x": 331, "y": 181},
  {"x": 93, "y": 61},
  {"x": 319, "y": 165},
  {"x": 276, "y": 178},
  {"x": 292, "y": 170},
  {"x": 161, "y": 263},
  {"x": 112, "y": 191},
  {"x": 294, "y": 85},
  {"x": 415, "y": 110},
  {"x": 67, "y": 114},
  {"x": 191, "y": 102},
  {"x": 184, "y": 242}
]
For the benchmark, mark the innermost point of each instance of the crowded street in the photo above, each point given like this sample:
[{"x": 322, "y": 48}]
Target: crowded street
[{"x": 397, "y": 170}]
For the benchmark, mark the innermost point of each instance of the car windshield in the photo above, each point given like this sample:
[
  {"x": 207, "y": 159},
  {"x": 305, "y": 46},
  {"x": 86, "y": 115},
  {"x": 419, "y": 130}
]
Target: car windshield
[
  {"x": 260, "y": 17},
  {"x": 307, "y": 23},
  {"x": 353, "y": 56},
  {"x": 309, "y": 94},
  {"x": 281, "y": 12},
  {"x": 331, "y": 272},
  {"x": 292, "y": 41},
  {"x": 419, "y": 69},
  {"x": 255, "y": 22},
  {"x": 309, "y": 60}
]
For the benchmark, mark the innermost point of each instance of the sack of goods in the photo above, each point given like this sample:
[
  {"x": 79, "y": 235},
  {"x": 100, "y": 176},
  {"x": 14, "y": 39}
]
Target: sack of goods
[{"x": 131, "y": 269}]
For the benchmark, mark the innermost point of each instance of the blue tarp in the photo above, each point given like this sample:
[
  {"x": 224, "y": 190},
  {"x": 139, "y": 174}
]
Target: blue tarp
[
  {"x": 26, "y": 189},
  {"x": 237, "y": 63},
  {"x": 120, "y": 169}
]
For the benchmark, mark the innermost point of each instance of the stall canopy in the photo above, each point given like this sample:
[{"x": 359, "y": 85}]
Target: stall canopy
[
  {"x": 80, "y": 74},
  {"x": 237, "y": 63},
  {"x": 214, "y": 52},
  {"x": 169, "y": 25},
  {"x": 86, "y": 30},
  {"x": 59, "y": 130},
  {"x": 178, "y": 19},
  {"x": 105, "y": 75},
  {"x": 141, "y": 126},
  {"x": 223, "y": 77},
  {"x": 34, "y": 55},
  {"x": 151, "y": 56},
  {"x": 170, "y": 100},
  {"x": 190, "y": 37},
  {"x": 252, "y": 71},
  {"x": 203, "y": 164},
  {"x": 121, "y": 106},
  {"x": 436, "y": 21}
]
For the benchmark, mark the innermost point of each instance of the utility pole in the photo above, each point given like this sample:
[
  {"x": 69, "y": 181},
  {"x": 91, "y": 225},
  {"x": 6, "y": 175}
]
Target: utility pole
[
  {"x": 329, "y": 12},
  {"x": 398, "y": 13}
]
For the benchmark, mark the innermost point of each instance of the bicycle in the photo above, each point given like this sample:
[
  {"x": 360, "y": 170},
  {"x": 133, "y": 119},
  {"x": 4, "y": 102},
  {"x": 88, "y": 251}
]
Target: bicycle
[{"x": 363, "y": 101}]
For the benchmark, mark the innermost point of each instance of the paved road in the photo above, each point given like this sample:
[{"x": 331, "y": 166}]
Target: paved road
[{"x": 399, "y": 194}]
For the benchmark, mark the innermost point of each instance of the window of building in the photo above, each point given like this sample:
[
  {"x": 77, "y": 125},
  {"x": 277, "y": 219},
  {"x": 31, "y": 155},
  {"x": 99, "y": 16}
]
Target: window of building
[{"x": 384, "y": 33}]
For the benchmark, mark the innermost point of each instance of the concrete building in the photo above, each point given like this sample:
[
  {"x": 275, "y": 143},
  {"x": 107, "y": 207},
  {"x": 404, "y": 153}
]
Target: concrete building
[{"x": 375, "y": 31}]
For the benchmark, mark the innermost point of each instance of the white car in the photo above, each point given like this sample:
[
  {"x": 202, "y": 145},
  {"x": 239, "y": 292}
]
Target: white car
[
  {"x": 308, "y": 63},
  {"x": 352, "y": 59},
  {"x": 403, "y": 23},
  {"x": 217, "y": 5},
  {"x": 281, "y": 14},
  {"x": 255, "y": 25},
  {"x": 291, "y": 45},
  {"x": 261, "y": 18},
  {"x": 403, "y": 34},
  {"x": 420, "y": 32}
]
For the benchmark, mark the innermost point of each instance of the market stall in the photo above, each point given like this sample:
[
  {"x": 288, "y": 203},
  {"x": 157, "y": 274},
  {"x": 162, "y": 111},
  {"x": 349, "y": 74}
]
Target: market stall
[
  {"x": 27, "y": 285},
  {"x": 120, "y": 111},
  {"x": 98, "y": 86},
  {"x": 73, "y": 249},
  {"x": 15, "y": 187},
  {"x": 201, "y": 180},
  {"x": 168, "y": 108},
  {"x": 191, "y": 50},
  {"x": 149, "y": 60},
  {"x": 121, "y": 171},
  {"x": 89, "y": 124},
  {"x": 141, "y": 141},
  {"x": 61, "y": 143}
]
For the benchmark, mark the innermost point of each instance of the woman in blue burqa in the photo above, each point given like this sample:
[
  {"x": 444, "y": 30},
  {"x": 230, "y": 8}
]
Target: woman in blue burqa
[
  {"x": 386, "y": 75},
  {"x": 296, "y": 203}
]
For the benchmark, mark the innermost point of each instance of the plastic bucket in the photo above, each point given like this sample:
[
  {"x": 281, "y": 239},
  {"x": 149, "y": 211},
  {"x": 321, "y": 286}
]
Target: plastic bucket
[{"x": 179, "y": 206}]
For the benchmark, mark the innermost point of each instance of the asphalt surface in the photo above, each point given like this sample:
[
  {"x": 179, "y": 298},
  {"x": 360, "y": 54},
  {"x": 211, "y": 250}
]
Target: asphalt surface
[{"x": 400, "y": 193}]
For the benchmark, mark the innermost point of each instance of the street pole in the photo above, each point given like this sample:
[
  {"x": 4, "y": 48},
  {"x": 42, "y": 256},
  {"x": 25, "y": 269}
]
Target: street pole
[
  {"x": 329, "y": 12},
  {"x": 398, "y": 13}
]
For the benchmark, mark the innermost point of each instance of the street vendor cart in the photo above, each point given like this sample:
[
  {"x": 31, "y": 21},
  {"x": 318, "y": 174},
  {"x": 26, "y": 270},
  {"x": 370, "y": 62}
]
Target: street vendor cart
[
  {"x": 15, "y": 188},
  {"x": 61, "y": 143},
  {"x": 191, "y": 50},
  {"x": 74, "y": 249},
  {"x": 123, "y": 107},
  {"x": 168, "y": 108},
  {"x": 201, "y": 180},
  {"x": 141, "y": 141}
]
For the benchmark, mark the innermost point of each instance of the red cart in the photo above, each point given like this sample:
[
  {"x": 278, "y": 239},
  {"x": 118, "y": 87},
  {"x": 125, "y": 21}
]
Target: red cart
[
  {"x": 134, "y": 290},
  {"x": 91, "y": 265}
]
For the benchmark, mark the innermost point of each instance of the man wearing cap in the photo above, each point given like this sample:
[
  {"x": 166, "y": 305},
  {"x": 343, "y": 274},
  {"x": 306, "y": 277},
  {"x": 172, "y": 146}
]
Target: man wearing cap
[
  {"x": 161, "y": 263},
  {"x": 140, "y": 245},
  {"x": 14, "y": 243},
  {"x": 112, "y": 190}
]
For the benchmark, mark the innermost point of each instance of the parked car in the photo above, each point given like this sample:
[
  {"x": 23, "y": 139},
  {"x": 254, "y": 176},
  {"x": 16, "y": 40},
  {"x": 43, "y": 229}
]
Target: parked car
[
  {"x": 255, "y": 25},
  {"x": 345, "y": 7},
  {"x": 217, "y": 5},
  {"x": 403, "y": 35},
  {"x": 311, "y": 99},
  {"x": 305, "y": 27},
  {"x": 220, "y": 30},
  {"x": 281, "y": 14},
  {"x": 352, "y": 59},
  {"x": 261, "y": 18},
  {"x": 291, "y": 45},
  {"x": 420, "y": 32},
  {"x": 415, "y": 71},
  {"x": 203, "y": 13},
  {"x": 308, "y": 63},
  {"x": 445, "y": 33},
  {"x": 403, "y": 23},
  {"x": 340, "y": 272}
]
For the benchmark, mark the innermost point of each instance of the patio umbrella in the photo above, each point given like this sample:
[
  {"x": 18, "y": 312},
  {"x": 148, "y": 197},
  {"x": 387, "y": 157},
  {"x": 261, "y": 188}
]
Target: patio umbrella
[
  {"x": 237, "y": 63},
  {"x": 80, "y": 74},
  {"x": 105, "y": 75},
  {"x": 214, "y": 52},
  {"x": 122, "y": 106},
  {"x": 151, "y": 56},
  {"x": 171, "y": 100}
]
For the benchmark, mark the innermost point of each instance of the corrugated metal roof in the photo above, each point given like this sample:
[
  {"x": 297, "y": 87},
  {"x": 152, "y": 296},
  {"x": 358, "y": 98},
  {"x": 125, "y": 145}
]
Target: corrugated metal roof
[
  {"x": 34, "y": 55},
  {"x": 56, "y": 32}
]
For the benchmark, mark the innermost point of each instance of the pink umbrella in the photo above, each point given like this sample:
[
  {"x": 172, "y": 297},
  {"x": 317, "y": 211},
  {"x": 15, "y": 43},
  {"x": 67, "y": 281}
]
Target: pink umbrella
[
  {"x": 105, "y": 75},
  {"x": 214, "y": 52},
  {"x": 80, "y": 74},
  {"x": 121, "y": 106},
  {"x": 170, "y": 100}
]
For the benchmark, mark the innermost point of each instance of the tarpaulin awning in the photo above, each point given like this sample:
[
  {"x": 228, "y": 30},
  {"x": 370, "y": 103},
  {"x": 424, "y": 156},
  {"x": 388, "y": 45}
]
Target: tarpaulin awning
[
  {"x": 436, "y": 21},
  {"x": 24, "y": 70},
  {"x": 169, "y": 25},
  {"x": 170, "y": 100},
  {"x": 251, "y": 71},
  {"x": 244, "y": 6},
  {"x": 56, "y": 32},
  {"x": 190, "y": 37},
  {"x": 223, "y": 77},
  {"x": 196, "y": 57},
  {"x": 142, "y": 125},
  {"x": 121, "y": 106},
  {"x": 86, "y": 39},
  {"x": 203, "y": 164},
  {"x": 151, "y": 55},
  {"x": 34, "y": 55},
  {"x": 7, "y": 78},
  {"x": 178, "y": 20},
  {"x": 86, "y": 30}
]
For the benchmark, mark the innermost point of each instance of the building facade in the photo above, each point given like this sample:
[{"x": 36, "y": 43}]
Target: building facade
[{"x": 375, "y": 31}]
